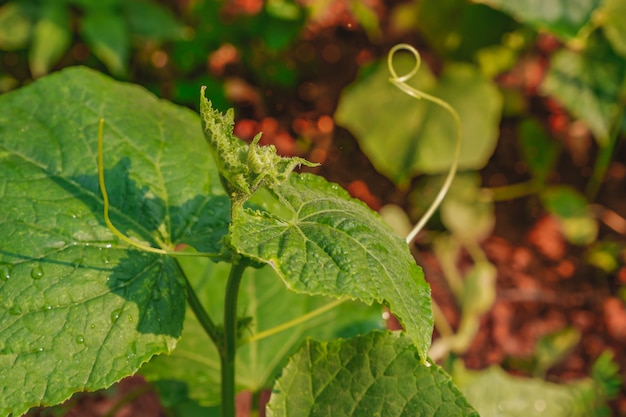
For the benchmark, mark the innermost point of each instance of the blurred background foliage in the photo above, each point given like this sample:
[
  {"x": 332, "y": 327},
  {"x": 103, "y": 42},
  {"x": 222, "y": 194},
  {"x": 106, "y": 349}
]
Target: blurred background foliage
[{"x": 540, "y": 87}]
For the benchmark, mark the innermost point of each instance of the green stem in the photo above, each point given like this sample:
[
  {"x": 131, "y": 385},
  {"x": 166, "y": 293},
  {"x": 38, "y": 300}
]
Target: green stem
[
  {"x": 203, "y": 317},
  {"x": 229, "y": 346},
  {"x": 510, "y": 192}
]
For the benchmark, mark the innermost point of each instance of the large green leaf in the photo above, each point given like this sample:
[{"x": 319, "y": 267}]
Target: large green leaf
[
  {"x": 378, "y": 374},
  {"x": 79, "y": 309},
  {"x": 588, "y": 84},
  {"x": 562, "y": 17},
  {"x": 321, "y": 241},
  {"x": 403, "y": 136},
  {"x": 194, "y": 367}
]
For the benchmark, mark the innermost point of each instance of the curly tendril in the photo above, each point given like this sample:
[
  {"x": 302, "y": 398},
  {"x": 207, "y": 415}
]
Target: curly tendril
[{"x": 401, "y": 83}]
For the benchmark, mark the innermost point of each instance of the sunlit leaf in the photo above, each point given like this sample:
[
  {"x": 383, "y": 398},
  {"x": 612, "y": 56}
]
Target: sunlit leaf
[
  {"x": 321, "y": 241},
  {"x": 378, "y": 374}
]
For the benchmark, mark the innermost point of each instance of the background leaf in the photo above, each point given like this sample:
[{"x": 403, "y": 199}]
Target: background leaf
[
  {"x": 15, "y": 26},
  {"x": 106, "y": 34},
  {"x": 587, "y": 84},
  {"x": 495, "y": 393},
  {"x": 323, "y": 242},
  {"x": 195, "y": 366},
  {"x": 614, "y": 25},
  {"x": 562, "y": 17},
  {"x": 573, "y": 213},
  {"x": 51, "y": 38},
  {"x": 78, "y": 309},
  {"x": 539, "y": 150},
  {"x": 403, "y": 136},
  {"x": 378, "y": 374}
]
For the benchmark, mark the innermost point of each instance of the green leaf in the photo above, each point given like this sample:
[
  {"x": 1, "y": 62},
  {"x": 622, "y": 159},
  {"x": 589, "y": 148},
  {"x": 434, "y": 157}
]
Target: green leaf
[
  {"x": 378, "y": 374},
  {"x": 587, "y": 84},
  {"x": 321, "y": 241},
  {"x": 51, "y": 38},
  {"x": 450, "y": 26},
  {"x": 151, "y": 21},
  {"x": 613, "y": 24},
  {"x": 564, "y": 18},
  {"x": 15, "y": 26},
  {"x": 195, "y": 364},
  {"x": 573, "y": 213},
  {"x": 466, "y": 211},
  {"x": 106, "y": 34},
  {"x": 539, "y": 150},
  {"x": 495, "y": 393},
  {"x": 79, "y": 310},
  {"x": 404, "y": 137}
]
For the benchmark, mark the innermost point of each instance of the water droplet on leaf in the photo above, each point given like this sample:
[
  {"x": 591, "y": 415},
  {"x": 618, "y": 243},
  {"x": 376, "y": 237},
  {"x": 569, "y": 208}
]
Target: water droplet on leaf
[
  {"x": 5, "y": 271},
  {"x": 80, "y": 339},
  {"x": 115, "y": 314},
  {"x": 37, "y": 272}
]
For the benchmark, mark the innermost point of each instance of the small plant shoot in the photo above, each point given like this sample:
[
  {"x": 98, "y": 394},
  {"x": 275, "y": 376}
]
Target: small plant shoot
[{"x": 121, "y": 228}]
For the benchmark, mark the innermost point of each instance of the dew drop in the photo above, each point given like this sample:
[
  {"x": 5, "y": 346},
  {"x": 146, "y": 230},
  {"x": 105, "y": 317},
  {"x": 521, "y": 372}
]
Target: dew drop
[
  {"x": 5, "y": 271},
  {"x": 15, "y": 310},
  {"x": 115, "y": 314},
  {"x": 92, "y": 326},
  {"x": 39, "y": 349},
  {"x": 80, "y": 339},
  {"x": 37, "y": 272}
]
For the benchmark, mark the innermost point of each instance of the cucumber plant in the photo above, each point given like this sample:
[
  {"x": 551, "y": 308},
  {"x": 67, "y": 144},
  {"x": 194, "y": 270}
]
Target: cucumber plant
[{"x": 109, "y": 246}]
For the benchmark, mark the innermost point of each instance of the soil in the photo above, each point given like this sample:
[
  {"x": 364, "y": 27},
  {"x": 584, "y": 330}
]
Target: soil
[{"x": 543, "y": 283}]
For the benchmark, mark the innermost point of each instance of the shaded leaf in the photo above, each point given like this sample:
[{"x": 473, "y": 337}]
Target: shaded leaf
[
  {"x": 321, "y": 241},
  {"x": 378, "y": 374},
  {"x": 561, "y": 17},
  {"x": 79, "y": 310},
  {"x": 195, "y": 366},
  {"x": 403, "y": 136}
]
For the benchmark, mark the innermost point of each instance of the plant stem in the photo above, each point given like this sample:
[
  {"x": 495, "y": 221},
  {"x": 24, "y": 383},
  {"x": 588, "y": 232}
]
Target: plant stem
[
  {"x": 203, "y": 317},
  {"x": 229, "y": 346},
  {"x": 512, "y": 191}
]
